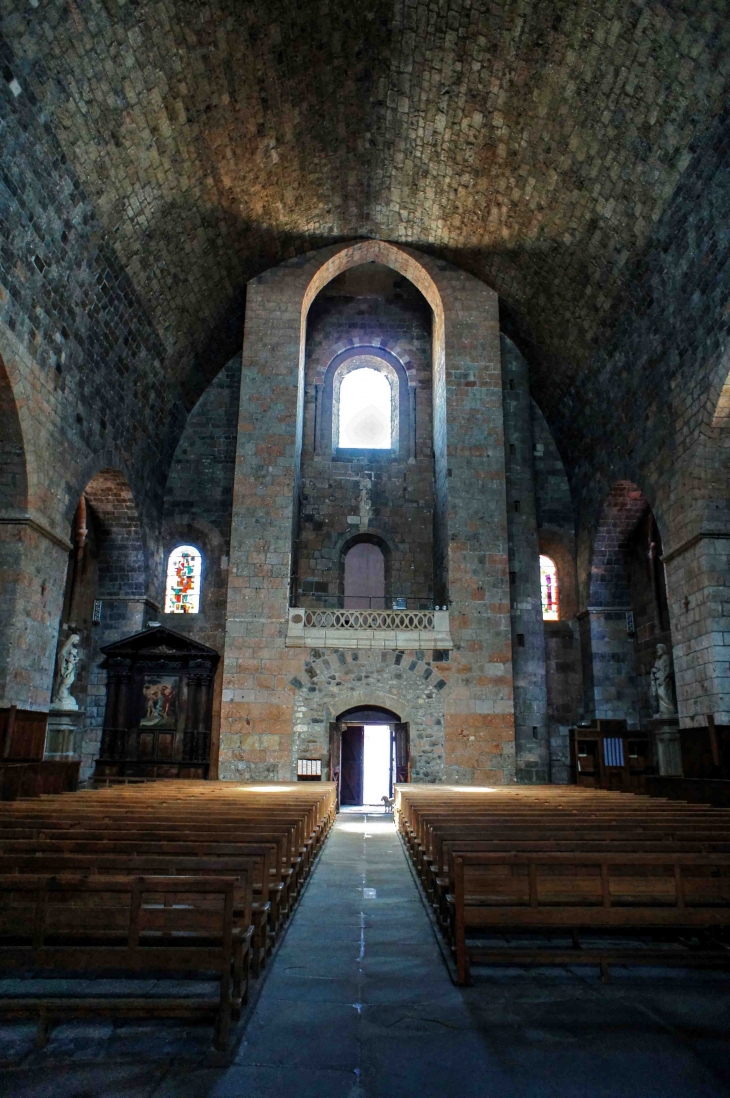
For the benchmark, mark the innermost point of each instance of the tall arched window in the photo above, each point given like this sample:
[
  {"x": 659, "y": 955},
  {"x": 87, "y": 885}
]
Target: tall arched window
[
  {"x": 364, "y": 577},
  {"x": 549, "y": 589},
  {"x": 182, "y": 590},
  {"x": 365, "y": 411}
]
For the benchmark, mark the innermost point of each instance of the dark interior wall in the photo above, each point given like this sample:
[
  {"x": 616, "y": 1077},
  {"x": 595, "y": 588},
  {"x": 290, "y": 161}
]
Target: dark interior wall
[
  {"x": 198, "y": 502},
  {"x": 370, "y": 305},
  {"x": 556, "y": 534},
  {"x": 639, "y": 409},
  {"x": 98, "y": 360},
  {"x": 648, "y": 596},
  {"x": 88, "y": 372}
]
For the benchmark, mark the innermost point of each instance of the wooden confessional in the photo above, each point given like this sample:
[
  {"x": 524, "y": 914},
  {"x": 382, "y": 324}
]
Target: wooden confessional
[{"x": 159, "y": 707}]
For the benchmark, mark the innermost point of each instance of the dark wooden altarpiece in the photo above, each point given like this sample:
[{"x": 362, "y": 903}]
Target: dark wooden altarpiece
[{"x": 159, "y": 707}]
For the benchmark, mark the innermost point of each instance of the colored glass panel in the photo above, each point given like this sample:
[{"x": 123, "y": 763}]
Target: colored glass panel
[
  {"x": 549, "y": 589},
  {"x": 182, "y": 593}
]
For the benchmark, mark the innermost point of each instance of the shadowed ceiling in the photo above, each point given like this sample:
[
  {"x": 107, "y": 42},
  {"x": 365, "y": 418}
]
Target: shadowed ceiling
[{"x": 534, "y": 143}]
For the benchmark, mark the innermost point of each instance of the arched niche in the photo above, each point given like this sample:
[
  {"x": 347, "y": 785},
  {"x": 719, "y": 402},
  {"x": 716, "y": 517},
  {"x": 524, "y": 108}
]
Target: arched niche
[
  {"x": 411, "y": 268},
  {"x": 627, "y": 615}
]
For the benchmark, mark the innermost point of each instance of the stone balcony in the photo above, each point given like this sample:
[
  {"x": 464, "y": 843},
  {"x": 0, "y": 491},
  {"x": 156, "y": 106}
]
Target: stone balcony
[{"x": 407, "y": 630}]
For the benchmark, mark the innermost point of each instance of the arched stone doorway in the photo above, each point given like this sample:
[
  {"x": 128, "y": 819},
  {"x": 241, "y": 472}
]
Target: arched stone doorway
[{"x": 369, "y": 753}]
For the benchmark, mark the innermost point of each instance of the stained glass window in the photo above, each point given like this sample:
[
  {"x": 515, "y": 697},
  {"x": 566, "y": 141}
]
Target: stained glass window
[
  {"x": 182, "y": 593},
  {"x": 549, "y": 589}
]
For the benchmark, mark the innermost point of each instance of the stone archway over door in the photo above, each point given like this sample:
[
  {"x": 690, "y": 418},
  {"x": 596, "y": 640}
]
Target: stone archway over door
[{"x": 347, "y": 755}]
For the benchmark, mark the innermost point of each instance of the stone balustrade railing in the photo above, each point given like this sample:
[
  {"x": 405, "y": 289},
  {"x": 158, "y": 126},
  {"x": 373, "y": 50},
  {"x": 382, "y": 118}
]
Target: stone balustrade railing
[{"x": 401, "y": 629}]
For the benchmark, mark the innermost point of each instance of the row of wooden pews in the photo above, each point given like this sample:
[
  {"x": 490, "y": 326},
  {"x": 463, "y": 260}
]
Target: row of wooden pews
[
  {"x": 164, "y": 879},
  {"x": 564, "y": 875}
]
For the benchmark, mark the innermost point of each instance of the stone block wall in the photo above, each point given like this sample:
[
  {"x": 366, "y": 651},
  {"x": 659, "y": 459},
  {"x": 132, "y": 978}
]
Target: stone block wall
[
  {"x": 528, "y": 638},
  {"x": 654, "y": 388},
  {"x": 564, "y": 682},
  {"x": 262, "y": 678},
  {"x": 84, "y": 365},
  {"x": 699, "y": 600},
  {"x": 390, "y": 497},
  {"x": 408, "y": 683},
  {"x": 556, "y": 535}
]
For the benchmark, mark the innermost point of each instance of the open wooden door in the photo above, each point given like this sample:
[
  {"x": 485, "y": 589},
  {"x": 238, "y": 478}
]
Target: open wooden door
[
  {"x": 402, "y": 752},
  {"x": 335, "y": 755},
  {"x": 351, "y": 771}
]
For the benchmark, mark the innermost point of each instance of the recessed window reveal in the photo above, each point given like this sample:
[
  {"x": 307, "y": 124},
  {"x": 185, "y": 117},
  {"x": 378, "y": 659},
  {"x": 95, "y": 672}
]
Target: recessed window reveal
[{"x": 365, "y": 411}]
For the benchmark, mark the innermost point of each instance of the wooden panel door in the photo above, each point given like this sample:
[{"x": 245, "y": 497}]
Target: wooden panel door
[
  {"x": 364, "y": 577},
  {"x": 335, "y": 755},
  {"x": 402, "y": 752},
  {"x": 351, "y": 772}
]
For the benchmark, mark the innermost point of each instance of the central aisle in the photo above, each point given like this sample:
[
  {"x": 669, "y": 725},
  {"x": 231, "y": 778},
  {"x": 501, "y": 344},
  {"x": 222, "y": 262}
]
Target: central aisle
[{"x": 359, "y": 1001}]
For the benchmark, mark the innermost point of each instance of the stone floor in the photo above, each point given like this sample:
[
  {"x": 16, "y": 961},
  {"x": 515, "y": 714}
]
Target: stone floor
[{"x": 359, "y": 1003}]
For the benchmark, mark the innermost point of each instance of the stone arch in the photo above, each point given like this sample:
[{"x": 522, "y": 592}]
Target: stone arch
[
  {"x": 380, "y": 251},
  {"x": 361, "y": 342},
  {"x": 394, "y": 708},
  {"x": 404, "y": 682},
  {"x": 412, "y": 267}
]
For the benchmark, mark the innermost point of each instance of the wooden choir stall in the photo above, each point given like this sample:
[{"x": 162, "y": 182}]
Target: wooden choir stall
[{"x": 159, "y": 707}]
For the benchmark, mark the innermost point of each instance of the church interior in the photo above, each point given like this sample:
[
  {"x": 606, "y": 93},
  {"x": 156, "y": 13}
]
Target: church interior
[{"x": 364, "y": 548}]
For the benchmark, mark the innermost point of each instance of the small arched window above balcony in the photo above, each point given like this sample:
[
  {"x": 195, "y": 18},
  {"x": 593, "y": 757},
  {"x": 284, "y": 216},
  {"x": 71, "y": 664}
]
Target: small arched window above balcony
[
  {"x": 365, "y": 405},
  {"x": 549, "y": 589},
  {"x": 182, "y": 588}
]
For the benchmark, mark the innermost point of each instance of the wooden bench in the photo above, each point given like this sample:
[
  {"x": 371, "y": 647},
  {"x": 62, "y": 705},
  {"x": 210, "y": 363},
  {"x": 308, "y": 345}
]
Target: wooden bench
[
  {"x": 606, "y": 892},
  {"x": 138, "y": 926}
]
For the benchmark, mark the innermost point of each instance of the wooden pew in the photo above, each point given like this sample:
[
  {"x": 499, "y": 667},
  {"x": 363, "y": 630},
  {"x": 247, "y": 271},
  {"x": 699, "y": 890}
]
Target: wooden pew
[
  {"x": 265, "y": 839},
  {"x": 140, "y": 926},
  {"x": 558, "y": 844},
  {"x": 605, "y": 892}
]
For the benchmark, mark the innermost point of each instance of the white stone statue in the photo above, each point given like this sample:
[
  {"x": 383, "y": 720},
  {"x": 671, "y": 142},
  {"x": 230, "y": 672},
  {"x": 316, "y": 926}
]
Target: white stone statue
[
  {"x": 66, "y": 665},
  {"x": 661, "y": 686}
]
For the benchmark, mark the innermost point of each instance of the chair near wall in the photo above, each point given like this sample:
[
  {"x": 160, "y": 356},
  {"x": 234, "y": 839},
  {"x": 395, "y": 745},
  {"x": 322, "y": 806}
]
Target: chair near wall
[
  {"x": 23, "y": 770},
  {"x": 607, "y": 756}
]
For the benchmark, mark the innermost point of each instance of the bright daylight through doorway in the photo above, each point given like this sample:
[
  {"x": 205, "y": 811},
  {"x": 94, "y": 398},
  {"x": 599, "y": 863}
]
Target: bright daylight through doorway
[{"x": 376, "y": 763}]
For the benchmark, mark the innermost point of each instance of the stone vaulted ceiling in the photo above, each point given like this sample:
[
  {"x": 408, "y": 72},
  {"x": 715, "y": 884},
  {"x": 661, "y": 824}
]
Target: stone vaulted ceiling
[{"x": 535, "y": 143}]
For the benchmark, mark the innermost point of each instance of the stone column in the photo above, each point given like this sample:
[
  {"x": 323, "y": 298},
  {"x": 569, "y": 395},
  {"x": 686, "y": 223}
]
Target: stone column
[
  {"x": 698, "y": 593},
  {"x": 256, "y": 715},
  {"x": 33, "y": 563},
  {"x": 528, "y": 634},
  {"x": 479, "y": 706}
]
